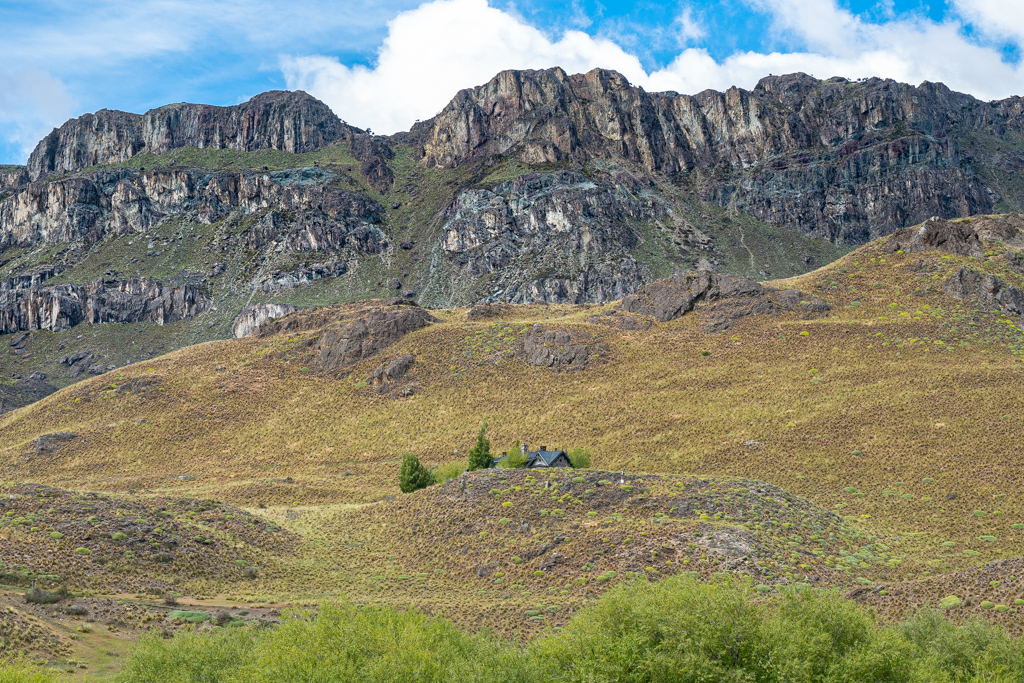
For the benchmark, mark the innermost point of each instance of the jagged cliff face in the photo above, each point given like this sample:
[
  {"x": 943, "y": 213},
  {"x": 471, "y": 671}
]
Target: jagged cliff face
[
  {"x": 839, "y": 159},
  {"x": 557, "y": 237},
  {"x": 27, "y": 306},
  {"x": 287, "y": 121},
  {"x": 298, "y": 208}
]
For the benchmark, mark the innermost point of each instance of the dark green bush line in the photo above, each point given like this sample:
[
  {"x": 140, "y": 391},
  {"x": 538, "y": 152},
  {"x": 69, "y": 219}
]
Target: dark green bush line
[{"x": 676, "y": 631}]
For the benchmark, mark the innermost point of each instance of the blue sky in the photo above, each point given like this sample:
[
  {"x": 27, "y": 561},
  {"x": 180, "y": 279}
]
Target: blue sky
[{"x": 385, "y": 64}]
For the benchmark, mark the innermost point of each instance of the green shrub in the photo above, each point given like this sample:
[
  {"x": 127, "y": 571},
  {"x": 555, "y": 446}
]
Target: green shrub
[
  {"x": 448, "y": 470},
  {"x": 675, "y": 630},
  {"x": 515, "y": 458},
  {"x": 119, "y": 536},
  {"x": 189, "y": 658},
  {"x": 189, "y": 615},
  {"x": 40, "y": 596},
  {"x": 413, "y": 475},
  {"x": 580, "y": 458},
  {"x": 14, "y": 672}
]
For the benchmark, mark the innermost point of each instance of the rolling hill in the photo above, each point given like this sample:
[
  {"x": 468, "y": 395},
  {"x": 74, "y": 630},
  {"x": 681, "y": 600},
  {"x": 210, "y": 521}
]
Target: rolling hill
[{"x": 855, "y": 426}]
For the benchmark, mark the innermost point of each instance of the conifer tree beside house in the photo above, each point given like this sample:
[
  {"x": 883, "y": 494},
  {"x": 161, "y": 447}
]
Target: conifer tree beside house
[{"x": 480, "y": 457}]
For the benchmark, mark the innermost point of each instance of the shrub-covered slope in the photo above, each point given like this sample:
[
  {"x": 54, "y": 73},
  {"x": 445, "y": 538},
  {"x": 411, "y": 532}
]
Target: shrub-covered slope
[{"x": 882, "y": 388}]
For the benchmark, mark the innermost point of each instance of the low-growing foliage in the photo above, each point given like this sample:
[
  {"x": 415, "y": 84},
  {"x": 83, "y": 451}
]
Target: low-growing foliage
[
  {"x": 580, "y": 458},
  {"x": 679, "y": 629}
]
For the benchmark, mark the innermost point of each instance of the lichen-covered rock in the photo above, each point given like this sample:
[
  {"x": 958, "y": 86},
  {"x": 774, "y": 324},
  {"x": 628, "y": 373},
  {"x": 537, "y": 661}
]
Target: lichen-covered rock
[
  {"x": 723, "y": 299},
  {"x": 990, "y": 291},
  {"x": 671, "y": 297},
  {"x": 560, "y": 348},
  {"x": 348, "y": 333},
  {"x": 393, "y": 371}
]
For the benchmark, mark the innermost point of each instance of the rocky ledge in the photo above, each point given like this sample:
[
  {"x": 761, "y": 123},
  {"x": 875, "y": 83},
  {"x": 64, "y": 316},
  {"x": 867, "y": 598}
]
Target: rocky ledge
[
  {"x": 556, "y": 237},
  {"x": 847, "y": 160},
  {"x": 60, "y": 307},
  {"x": 286, "y": 121},
  {"x": 723, "y": 299},
  {"x": 299, "y": 208}
]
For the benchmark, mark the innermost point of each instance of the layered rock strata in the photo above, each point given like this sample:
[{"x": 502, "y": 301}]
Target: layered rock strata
[
  {"x": 286, "y": 121},
  {"x": 306, "y": 214}
]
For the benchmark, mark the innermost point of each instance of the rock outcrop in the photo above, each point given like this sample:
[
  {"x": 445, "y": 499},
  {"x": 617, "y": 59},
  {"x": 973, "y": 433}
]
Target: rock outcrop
[
  {"x": 251, "y": 317},
  {"x": 560, "y": 348},
  {"x": 988, "y": 290},
  {"x": 12, "y": 176},
  {"x": 60, "y": 307},
  {"x": 839, "y": 159},
  {"x": 24, "y": 392},
  {"x": 962, "y": 238},
  {"x": 346, "y": 334},
  {"x": 299, "y": 208},
  {"x": 557, "y": 237},
  {"x": 286, "y": 121},
  {"x": 723, "y": 299}
]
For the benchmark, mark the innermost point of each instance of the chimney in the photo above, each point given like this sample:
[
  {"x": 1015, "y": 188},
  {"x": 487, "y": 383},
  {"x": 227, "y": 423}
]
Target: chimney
[{"x": 523, "y": 448}]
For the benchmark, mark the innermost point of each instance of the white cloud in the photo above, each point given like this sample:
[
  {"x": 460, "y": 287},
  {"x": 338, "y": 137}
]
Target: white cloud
[
  {"x": 440, "y": 47},
  {"x": 994, "y": 18},
  {"x": 434, "y": 51},
  {"x": 689, "y": 28},
  {"x": 30, "y": 102}
]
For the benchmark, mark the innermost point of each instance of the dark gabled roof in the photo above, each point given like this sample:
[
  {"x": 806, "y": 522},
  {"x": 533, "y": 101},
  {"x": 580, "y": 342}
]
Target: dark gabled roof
[{"x": 548, "y": 457}]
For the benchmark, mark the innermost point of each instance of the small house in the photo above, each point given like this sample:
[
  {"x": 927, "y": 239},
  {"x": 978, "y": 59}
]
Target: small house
[
  {"x": 541, "y": 458},
  {"x": 546, "y": 458}
]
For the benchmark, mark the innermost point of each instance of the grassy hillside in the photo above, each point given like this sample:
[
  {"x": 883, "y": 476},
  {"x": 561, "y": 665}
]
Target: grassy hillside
[{"x": 892, "y": 423}]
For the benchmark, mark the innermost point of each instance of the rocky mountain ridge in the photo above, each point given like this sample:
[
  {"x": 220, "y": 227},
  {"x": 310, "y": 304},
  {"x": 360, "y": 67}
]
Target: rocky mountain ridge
[
  {"x": 846, "y": 160},
  {"x": 538, "y": 186},
  {"x": 289, "y": 121}
]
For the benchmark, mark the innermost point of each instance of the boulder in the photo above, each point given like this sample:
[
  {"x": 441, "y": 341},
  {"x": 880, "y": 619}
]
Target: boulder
[
  {"x": 723, "y": 299},
  {"x": 560, "y": 348}
]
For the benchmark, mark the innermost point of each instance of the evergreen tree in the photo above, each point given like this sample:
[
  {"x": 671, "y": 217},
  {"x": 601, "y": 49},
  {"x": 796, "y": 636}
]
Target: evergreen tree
[
  {"x": 413, "y": 475},
  {"x": 480, "y": 457}
]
